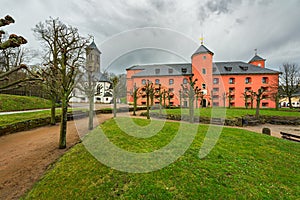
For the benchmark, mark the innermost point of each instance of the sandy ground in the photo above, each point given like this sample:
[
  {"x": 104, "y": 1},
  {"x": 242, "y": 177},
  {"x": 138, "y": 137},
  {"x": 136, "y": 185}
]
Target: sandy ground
[{"x": 25, "y": 156}]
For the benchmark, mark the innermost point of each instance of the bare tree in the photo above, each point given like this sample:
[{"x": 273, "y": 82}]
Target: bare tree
[
  {"x": 65, "y": 48},
  {"x": 190, "y": 92},
  {"x": 258, "y": 96},
  {"x": 148, "y": 89},
  {"x": 229, "y": 97},
  {"x": 246, "y": 97},
  {"x": 13, "y": 41},
  {"x": 87, "y": 83},
  {"x": 135, "y": 98},
  {"x": 118, "y": 87},
  {"x": 289, "y": 80}
]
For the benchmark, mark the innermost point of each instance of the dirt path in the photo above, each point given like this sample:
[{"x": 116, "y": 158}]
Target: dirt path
[{"x": 25, "y": 156}]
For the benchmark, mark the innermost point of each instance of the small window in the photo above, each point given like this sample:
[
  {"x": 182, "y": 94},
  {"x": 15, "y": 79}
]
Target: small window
[
  {"x": 215, "y": 103},
  {"x": 185, "y": 81},
  {"x": 216, "y": 89},
  {"x": 171, "y": 81},
  {"x": 203, "y": 71},
  {"x": 183, "y": 70},
  {"x": 203, "y": 86},
  {"x": 247, "y": 80},
  {"x": 265, "y": 104},
  {"x": 231, "y": 89},
  {"x": 216, "y": 80},
  {"x": 264, "y": 80},
  {"x": 231, "y": 80},
  {"x": 156, "y": 81},
  {"x": 214, "y": 69},
  {"x": 170, "y": 71},
  {"x": 171, "y": 89},
  {"x": 204, "y": 57},
  {"x": 157, "y": 71},
  {"x": 144, "y": 81},
  {"x": 247, "y": 89},
  {"x": 106, "y": 99}
]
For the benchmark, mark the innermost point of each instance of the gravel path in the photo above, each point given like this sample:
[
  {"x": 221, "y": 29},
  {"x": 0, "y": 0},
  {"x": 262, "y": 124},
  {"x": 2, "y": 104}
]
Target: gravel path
[{"x": 25, "y": 156}]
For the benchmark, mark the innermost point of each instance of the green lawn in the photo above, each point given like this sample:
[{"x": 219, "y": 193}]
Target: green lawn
[
  {"x": 242, "y": 165},
  {"x": 233, "y": 112},
  {"x": 15, "y": 102},
  {"x": 20, "y": 117}
]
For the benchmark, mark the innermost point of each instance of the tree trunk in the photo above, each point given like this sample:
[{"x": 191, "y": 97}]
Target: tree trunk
[
  {"x": 147, "y": 102},
  {"x": 115, "y": 106},
  {"x": 277, "y": 102},
  {"x": 134, "y": 104},
  {"x": 63, "y": 125},
  {"x": 257, "y": 108},
  {"x": 53, "y": 105},
  {"x": 191, "y": 110},
  {"x": 290, "y": 102},
  {"x": 91, "y": 113}
]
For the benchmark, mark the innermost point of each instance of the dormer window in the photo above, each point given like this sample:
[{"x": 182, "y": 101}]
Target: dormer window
[
  {"x": 214, "y": 69},
  {"x": 244, "y": 68},
  {"x": 183, "y": 70},
  {"x": 228, "y": 68},
  {"x": 157, "y": 71},
  {"x": 170, "y": 71}
]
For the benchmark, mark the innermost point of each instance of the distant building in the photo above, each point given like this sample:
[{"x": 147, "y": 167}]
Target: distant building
[
  {"x": 103, "y": 88},
  {"x": 284, "y": 102},
  {"x": 215, "y": 79}
]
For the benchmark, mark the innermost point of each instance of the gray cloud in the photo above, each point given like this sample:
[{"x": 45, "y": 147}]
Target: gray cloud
[{"x": 232, "y": 29}]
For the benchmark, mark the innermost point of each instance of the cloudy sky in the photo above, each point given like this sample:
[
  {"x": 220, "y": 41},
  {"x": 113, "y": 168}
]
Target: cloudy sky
[{"x": 132, "y": 32}]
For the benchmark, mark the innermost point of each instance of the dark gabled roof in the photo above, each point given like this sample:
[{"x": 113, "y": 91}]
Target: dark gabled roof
[
  {"x": 180, "y": 69},
  {"x": 256, "y": 58},
  {"x": 202, "y": 49},
  {"x": 93, "y": 46},
  {"x": 239, "y": 67}
]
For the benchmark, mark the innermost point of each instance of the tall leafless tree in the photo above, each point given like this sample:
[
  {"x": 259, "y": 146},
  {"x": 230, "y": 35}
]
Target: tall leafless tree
[
  {"x": 289, "y": 80},
  {"x": 65, "y": 49},
  {"x": 12, "y": 41}
]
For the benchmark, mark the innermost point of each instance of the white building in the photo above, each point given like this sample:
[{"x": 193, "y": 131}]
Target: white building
[{"x": 103, "y": 86}]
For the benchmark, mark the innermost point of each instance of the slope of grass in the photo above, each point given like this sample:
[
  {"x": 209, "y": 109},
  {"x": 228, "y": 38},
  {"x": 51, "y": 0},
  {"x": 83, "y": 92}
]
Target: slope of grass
[
  {"x": 20, "y": 117},
  {"x": 233, "y": 112},
  {"x": 15, "y": 102},
  {"x": 242, "y": 165}
]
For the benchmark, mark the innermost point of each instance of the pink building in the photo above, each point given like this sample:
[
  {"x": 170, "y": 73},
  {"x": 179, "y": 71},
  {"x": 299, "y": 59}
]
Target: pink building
[{"x": 217, "y": 80}]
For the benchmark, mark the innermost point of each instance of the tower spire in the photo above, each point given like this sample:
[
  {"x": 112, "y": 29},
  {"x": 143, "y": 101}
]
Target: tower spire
[
  {"x": 201, "y": 39},
  {"x": 255, "y": 51}
]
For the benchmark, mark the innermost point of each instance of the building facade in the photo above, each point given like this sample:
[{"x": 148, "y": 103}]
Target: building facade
[
  {"x": 103, "y": 86},
  {"x": 220, "y": 83}
]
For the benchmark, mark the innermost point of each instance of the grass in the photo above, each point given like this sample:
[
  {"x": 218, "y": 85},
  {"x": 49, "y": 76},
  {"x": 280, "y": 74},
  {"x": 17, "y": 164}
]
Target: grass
[
  {"x": 20, "y": 117},
  {"x": 234, "y": 112},
  {"x": 15, "y": 102},
  {"x": 242, "y": 165}
]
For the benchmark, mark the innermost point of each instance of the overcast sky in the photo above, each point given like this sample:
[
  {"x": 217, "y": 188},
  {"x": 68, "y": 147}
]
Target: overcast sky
[{"x": 130, "y": 32}]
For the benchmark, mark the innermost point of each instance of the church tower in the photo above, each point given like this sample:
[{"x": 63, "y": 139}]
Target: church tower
[
  {"x": 202, "y": 67},
  {"x": 93, "y": 58}
]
